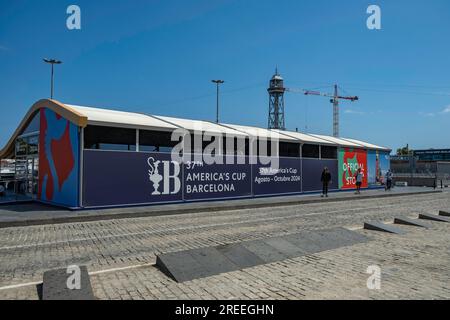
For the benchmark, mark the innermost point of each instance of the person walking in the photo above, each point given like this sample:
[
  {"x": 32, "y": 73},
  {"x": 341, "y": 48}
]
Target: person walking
[
  {"x": 359, "y": 177},
  {"x": 388, "y": 180},
  {"x": 325, "y": 179}
]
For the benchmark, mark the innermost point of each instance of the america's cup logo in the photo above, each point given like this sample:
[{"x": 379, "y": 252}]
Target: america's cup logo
[{"x": 156, "y": 177}]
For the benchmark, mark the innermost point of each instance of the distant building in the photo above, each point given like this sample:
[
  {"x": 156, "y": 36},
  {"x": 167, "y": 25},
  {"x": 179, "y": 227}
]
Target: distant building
[
  {"x": 424, "y": 167},
  {"x": 432, "y": 155}
]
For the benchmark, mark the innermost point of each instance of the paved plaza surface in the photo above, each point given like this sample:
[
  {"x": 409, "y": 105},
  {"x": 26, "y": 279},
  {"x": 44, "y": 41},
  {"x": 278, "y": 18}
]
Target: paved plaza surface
[
  {"x": 34, "y": 213},
  {"x": 120, "y": 253}
]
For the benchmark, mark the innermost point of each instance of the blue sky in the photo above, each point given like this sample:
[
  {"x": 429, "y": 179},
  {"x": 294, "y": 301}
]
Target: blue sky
[{"x": 159, "y": 57}]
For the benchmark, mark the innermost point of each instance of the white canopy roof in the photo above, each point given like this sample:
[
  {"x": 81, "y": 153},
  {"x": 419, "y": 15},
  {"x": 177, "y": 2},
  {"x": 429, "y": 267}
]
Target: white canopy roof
[
  {"x": 122, "y": 119},
  {"x": 260, "y": 132},
  {"x": 338, "y": 141},
  {"x": 83, "y": 116},
  {"x": 198, "y": 125},
  {"x": 97, "y": 116},
  {"x": 305, "y": 138},
  {"x": 366, "y": 144}
]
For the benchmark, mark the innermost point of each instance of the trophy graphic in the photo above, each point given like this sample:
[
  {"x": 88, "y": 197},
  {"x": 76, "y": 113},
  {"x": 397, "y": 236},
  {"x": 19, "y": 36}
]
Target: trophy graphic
[{"x": 154, "y": 175}]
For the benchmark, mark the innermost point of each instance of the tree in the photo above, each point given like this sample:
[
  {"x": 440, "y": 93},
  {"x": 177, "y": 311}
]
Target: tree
[{"x": 405, "y": 151}]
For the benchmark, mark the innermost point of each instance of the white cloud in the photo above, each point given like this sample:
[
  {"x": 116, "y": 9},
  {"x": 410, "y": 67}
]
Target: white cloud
[
  {"x": 427, "y": 114},
  {"x": 350, "y": 111},
  {"x": 446, "y": 110},
  {"x": 433, "y": 114}
]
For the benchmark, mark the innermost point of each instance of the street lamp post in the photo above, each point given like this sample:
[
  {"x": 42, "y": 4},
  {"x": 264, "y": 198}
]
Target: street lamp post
[
  {"x": 217, "y": 82},
  {"x": 52, "y": 62}
]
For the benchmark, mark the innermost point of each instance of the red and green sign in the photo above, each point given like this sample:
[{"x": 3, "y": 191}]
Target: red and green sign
[{"x": 349, "y": 161}]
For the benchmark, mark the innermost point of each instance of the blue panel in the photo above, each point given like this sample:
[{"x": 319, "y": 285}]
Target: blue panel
[
  {"x": 385, "y": 162},
  {"x": 373, "y": 167},
  {"x": 202, "y": 181},
  {"x": 312, "y": 171},
  {"x": 284, "y": 179},
  {"x": 121, "y": 178},
  {"x": 114, "y": 178}
]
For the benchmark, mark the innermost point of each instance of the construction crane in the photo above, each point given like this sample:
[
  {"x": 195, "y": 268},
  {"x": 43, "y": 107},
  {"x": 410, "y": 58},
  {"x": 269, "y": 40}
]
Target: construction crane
[{"x": 335, "y": 101}]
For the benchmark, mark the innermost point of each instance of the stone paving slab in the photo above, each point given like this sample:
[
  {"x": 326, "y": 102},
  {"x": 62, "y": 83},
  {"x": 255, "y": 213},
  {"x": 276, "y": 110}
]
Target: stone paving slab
[{"x": 379, "y": 226}]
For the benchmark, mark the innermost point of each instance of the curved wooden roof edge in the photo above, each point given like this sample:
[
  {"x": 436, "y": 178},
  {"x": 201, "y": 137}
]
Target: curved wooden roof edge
[{"x": 64, "y": 111}]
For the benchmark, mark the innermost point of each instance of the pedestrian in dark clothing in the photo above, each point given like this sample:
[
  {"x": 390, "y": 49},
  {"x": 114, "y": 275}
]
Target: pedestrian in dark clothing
[
  {"x": 388, "y": 180},
  {"x": 359, "y": 178},
  {"x": 325, "y": 178}
]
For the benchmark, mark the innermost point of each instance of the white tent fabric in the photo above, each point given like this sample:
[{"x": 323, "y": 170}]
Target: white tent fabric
[
  {"x": 366, "y": 144},
  {"x": 205, "y": 126},
  {"x": 260, "y": 132},
  {"x": 97, "y": 116},
  {"x": 338, "y": 141},
  {"x": 123, "y": 119},
  {"x": 306, "y": 138}
]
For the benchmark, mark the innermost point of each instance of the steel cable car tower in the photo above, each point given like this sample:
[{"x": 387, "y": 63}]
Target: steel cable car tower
[{"x": 276, "y": 102}]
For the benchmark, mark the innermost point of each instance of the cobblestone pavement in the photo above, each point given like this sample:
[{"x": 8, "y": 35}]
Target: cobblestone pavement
[{"x": 415, "y": 265}]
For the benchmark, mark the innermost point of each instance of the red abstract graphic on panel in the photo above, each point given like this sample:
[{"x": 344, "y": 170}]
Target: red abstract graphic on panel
[
  {"x": 54, "y": 150},
  {"x": 44, "y": 165},
  {"x": 62, "y": 156}
]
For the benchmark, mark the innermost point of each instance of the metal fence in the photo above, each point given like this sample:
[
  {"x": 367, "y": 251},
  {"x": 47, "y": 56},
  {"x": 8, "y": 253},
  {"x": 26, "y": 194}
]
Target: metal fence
[{"x": 421, "y": 173}]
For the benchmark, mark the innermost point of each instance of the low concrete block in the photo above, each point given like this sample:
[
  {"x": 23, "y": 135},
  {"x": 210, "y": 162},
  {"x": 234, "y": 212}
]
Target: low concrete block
[
  {"x": 379, "y": 226},
  {"x": 55, "y": 285},
  {"x": 444, "y": 213},
  {"x": 240, "y": 256},
  {"x": 285, "y": 247},
  {"x": 434, "y": 217},
  {"x": 305, "y": 241},
  {"x": 180, "y": 266},
  {"x": 198, "y": 263},
  {"x": 339, "y": 237},
  {"x": 213, "y": 261},
  {"x": 265, "y": 252},
  {"x": 325, "y": 240},
  {"x": 410, "y": 222}
]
